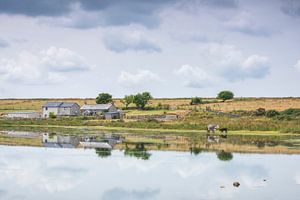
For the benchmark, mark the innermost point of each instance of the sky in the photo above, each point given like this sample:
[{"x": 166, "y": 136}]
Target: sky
[{"x": 171, "y": 48}]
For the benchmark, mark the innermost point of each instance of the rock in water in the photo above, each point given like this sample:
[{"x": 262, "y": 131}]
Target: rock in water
[{"x": 236, "y": 184}]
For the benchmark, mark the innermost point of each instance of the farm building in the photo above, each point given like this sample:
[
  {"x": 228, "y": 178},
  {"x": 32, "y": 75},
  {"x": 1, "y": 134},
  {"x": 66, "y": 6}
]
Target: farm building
[
  {"x": 61, "y": 109},
  {"x": 27, "y": 115},
  {"x": 109, "y": 110}
]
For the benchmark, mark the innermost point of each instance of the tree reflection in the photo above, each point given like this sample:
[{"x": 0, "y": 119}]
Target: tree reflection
[
  {"x": 195, "y": 150},
  {"x": 139, "y": 151},
  {"x": 103, "y": 152},
  {"x": 224, "y": 156}
]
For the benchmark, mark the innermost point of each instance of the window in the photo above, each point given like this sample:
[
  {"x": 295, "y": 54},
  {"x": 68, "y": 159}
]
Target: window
[{"x": 46, "y": 108}]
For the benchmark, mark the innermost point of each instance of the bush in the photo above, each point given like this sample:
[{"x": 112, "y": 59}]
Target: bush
[
  {"x": 260, "y": 112},
  {"x": 196, "y": 101},
  {"x": 272, "y": 113},
  {"x": 52, "y": 115},
  {"x": 289, "y": 114},
  {"x": 162, "y": 106}
]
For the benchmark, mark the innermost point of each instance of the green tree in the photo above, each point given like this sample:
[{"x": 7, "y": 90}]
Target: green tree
[
  {"x": 196, "y": 101},
  {"x": 141, "y": 99},
  {"x": 128, "y": 99},
  {"x": 225, "y": 95},
  {"x": 103, "y": 98}
]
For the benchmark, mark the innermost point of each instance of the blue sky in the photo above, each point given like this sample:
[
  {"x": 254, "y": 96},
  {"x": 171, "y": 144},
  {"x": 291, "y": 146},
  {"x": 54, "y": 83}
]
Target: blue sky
[{"x": 172, "y": 48}]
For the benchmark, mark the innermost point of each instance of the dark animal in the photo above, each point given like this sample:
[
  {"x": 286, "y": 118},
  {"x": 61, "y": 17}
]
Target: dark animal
[{"x": 223, "y": 130}]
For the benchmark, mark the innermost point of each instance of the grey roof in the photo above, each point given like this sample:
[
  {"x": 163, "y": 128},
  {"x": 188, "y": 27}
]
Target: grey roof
[
  {"x": 59, "y": 104},
  {"x": 52, "y": 104},
  {"x": 96, "y": 106},
  {"x": 68, "y": 104}
]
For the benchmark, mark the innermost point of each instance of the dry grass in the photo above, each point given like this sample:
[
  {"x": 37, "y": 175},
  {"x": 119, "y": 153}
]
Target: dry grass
[
  {"x": 9, "y": 105},
  {"x": 255, "y": 103}
]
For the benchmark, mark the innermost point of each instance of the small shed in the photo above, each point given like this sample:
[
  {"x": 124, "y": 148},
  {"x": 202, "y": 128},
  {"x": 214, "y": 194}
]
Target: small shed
[
  {"x": 94, "y": 109},
  {"x": 113, "y": 115}
]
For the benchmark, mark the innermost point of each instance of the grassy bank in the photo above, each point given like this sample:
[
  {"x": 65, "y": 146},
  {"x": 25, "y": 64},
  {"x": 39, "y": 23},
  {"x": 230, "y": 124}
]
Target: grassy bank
[{"x": 194, "y": 121}]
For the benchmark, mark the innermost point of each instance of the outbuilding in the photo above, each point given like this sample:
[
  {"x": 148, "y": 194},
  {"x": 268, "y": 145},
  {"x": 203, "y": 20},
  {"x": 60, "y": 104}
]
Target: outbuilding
[
  {"x": 26, "y": 115},
  {"x": 109, "y": 111}
]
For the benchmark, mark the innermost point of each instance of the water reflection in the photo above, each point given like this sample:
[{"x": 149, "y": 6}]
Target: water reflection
[
  {"x": 121, "y": 193},
  {"x": 103, "y": 152},
  {"x": 224, "y": 156},
  {"x": 50, "y": 173},
  {"x": 139, "y": 151},
  {"x": 195, "y": 150}
]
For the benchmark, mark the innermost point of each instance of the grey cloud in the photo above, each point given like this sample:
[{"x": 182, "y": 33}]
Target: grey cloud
[
  {"x": 2, "y": 193},
  {"x": 221, "y": 3},
  {"x": 120, "y": 193},
  {"x": 106, "y": 12},
  {"x": 36, "y": 7},
  {"x": 126, "y": 41},
  {"x": 3, "y": 43},
  {"x": 255, "y": 31},
  {"x": 291, "y": 7}
]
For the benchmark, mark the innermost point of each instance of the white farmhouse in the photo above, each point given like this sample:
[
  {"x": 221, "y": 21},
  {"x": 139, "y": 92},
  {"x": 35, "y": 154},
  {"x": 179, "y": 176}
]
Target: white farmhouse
[{"x": 61, "y": 109}]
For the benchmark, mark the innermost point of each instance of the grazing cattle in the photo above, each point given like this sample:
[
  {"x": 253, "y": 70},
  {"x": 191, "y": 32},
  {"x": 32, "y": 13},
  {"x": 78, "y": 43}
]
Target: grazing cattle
[
  {"x": 212, "y": 128},
  {"x": 223, "y": 132}
]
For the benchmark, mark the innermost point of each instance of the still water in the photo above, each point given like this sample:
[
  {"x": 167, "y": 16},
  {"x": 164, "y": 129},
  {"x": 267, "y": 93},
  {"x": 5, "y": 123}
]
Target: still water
[{"x": 51, "y": 173}]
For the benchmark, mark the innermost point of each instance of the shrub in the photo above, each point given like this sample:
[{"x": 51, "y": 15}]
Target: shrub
[
  {"x": 52, "y": 115},
  {"x": 272, "y": 113},
  {"x": 260, "y": 112},
  {"x": 162, "y": 106},
  {"x": 196, "y": 101}
]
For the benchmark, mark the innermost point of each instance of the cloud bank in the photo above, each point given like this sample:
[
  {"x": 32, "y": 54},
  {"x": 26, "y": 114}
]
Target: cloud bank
[{"x": 47, "y": 66}]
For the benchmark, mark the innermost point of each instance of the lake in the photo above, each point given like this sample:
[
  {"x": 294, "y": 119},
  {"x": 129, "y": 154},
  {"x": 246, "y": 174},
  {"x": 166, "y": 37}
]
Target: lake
[{"x": 61, "y": 173}]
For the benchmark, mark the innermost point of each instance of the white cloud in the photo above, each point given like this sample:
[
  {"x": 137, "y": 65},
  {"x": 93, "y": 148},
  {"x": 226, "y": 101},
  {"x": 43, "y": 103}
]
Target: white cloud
[
  {"x": 227, "y": 62},
  {"x": 223, "y": 63},
  {"x": 297, "y": 66},
  {"x": 245, "y": 23},
  {"x": 121, "y": 41},
  {"x": 63, "y": 60},
  {"x": 195, "y": 77},
  {"x": 47, "y": 66},
  {"x": 142, "y": 77},
  {"x": 297, "y": 178}
]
